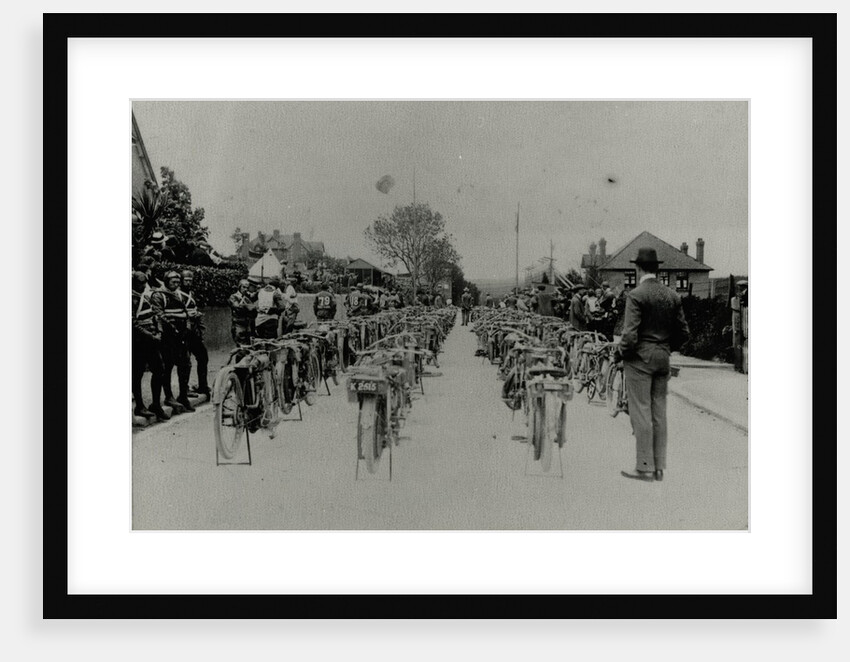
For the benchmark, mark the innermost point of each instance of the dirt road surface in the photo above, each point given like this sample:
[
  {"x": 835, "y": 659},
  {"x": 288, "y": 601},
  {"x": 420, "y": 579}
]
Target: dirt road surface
[{"x": 462, "y": 463}]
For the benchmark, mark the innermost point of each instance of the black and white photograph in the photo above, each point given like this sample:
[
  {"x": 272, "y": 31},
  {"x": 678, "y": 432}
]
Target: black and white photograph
[{"x": 451, "y": 314}]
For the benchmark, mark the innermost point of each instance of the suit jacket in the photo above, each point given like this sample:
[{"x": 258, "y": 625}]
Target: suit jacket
[
  {"x": 654, "y": 318},
  {"x": 577, "y": 320}
]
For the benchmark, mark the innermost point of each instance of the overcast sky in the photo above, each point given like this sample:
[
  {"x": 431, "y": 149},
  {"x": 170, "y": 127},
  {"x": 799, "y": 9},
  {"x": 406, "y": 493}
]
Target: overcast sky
[{"x": 679, "y": 171}]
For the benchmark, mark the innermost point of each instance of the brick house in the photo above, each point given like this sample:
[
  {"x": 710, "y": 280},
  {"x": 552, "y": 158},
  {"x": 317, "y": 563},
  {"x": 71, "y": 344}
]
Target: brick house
[
  {"x": 679, "y": 270},
  {"x": 289, "y": 249}
]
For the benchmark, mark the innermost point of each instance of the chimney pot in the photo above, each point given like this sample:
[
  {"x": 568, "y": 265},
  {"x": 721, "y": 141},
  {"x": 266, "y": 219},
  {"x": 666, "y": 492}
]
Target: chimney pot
[
  {"x": 296, "y": 236},
  {"x": 700, "y": 250},
  {"x": 276, "y": 234},
  {"x": 684, "y": 248},
  {"x": 602, "y": 245}
]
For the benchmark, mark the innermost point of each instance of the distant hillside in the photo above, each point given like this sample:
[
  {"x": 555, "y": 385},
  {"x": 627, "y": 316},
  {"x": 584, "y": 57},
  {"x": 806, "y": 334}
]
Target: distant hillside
[{"x": 497, "y": 287}]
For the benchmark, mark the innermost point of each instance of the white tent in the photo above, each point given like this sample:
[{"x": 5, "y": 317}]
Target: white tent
[{"x": 266, "y": 267}]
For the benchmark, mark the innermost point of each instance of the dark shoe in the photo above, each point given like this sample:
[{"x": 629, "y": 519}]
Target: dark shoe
[
  {"x": 176, "y": 407},
  {"x": 659, "y": 475},
  {"x": 160, "y": 414},
  {"x": 143, "y": 411},
  {"x": 184, "y": 402},
  {"x": 646, "y": 476}
]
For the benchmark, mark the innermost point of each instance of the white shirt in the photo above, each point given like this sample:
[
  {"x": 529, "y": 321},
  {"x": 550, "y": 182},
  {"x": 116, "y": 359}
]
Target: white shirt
[{"x": 645, "y": 276}]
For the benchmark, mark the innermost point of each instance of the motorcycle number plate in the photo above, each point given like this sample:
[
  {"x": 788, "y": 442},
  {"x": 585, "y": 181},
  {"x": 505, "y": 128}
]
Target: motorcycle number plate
[
  {"x": 550, "y": 386},
  {"x": 367, "y": 386}
]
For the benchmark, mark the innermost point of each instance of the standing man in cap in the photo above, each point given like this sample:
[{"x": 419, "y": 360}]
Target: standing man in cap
[
  {"x": 242, "y": 313},
  {"x": 488, "y": 300},
  {"x": 169, "y": 307},
  {"x": 324, "y": 305},
  {"x": 288, "y": 315},
  {"x": 145, "y": 350},
  {"x": 465, "y": 306},
  {"x": 195, "y": 338},
  {"x": 269, "y": 307},
  {"x": 577, "y": 319},
  {"x": 354, "y": 302},
  {"x": 654, "y": 325}
]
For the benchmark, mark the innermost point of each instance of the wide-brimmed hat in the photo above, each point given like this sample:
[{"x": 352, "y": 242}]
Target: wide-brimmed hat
[{"x": 647, "y": 256}]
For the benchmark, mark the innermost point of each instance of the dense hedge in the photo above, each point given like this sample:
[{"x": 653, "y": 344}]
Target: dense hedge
[
  {"x": 711, "y": 336},
  {"x": 213, "y": 285},
  {"x": 708, "y": 321}
]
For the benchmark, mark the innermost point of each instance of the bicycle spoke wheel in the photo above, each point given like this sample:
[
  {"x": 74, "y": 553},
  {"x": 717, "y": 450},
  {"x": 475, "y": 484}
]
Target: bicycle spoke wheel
[
  {"x": 290, "y": 376},
  {"x": 551, "y": 420},
  {"x": 369, "y": 442},
  {"x": 601, "y": 377},
  {"x": 562, "y": 426},
  {"x": 591, "y": 385},
  {"x": 537, "y": 422},
  {"x": 229, "y": 418},
  {"x": 613, "y": 390}
]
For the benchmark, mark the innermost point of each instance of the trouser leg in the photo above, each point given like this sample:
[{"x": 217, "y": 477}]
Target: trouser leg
[
  {"x": 202, "y": 359},
  {"x": 168, "y": 362},
  {"x": 639, "y": 387},
  {"x": 184, "y": 368},
  {"x": 154, "y": 361},
  {"x": 659, "y": 419},
  {"x": 137, "y": 370}
]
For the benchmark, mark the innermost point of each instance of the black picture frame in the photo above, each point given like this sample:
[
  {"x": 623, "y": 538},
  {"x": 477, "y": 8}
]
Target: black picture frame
[{"x": 820, "y": 28}]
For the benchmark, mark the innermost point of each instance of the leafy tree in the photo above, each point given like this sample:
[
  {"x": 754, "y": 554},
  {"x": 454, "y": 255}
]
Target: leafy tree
[
  {"x": 574, "y": 276},
  {"x": 148, "y": 208},
  {"x": 592, "y": 278},
  {"x": 178, "y": 219},
  {"x": 335, "y": 265},
  {"x": 407, "y": 236},
  {"x": 459, "y": 283},
  {"x": 237, "y": 238},
  {"x": 439, "y": 258}
]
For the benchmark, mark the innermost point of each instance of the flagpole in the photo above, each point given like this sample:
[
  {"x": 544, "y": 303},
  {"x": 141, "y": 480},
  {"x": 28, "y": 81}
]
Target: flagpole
[
  {"x": 551, "y": 261},
  {"x": 516, "y": 272}
]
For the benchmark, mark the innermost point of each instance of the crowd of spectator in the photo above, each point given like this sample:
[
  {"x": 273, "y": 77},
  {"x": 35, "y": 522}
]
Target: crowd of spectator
[{"x": 586, "y": 308}]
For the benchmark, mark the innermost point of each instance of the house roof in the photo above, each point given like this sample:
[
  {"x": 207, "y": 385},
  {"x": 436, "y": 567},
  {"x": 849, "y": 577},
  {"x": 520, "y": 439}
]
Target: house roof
[
  {"x": 587, "y": 262},
  {"x": 672, "y": 257},
  {"x": 362, "y": 264},
  {"x": 287, "y": 240}
]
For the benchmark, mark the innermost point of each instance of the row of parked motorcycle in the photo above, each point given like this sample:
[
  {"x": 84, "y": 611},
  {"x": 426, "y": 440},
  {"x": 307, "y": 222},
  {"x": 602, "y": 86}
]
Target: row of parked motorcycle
[
  {"x": 544, "y": 361},
  {"x": 383, "y": 356}
]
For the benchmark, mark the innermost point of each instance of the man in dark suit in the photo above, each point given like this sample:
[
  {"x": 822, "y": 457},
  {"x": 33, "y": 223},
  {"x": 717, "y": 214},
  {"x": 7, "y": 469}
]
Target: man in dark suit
[
  {"x": 654, "y": 325},
  {"x": 577, "y": 319}
]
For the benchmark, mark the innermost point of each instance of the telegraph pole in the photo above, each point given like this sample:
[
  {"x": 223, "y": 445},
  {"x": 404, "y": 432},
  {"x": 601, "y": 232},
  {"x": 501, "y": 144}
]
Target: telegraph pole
[
  {"x": 550, "y": 260},
  {"x": 516, "y": 273},
  {"x": 415, "y": 224}
]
